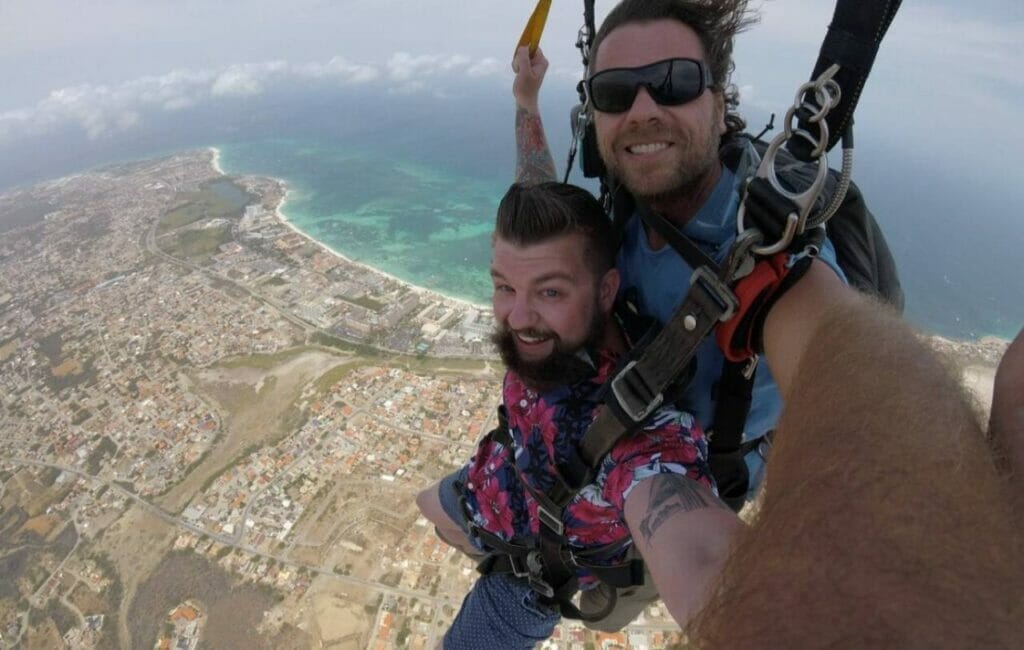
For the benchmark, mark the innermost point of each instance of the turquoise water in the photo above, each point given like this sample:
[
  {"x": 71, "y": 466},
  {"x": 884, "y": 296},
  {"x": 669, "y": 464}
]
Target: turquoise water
[
  {"x": 418, "y": 221},
  {"x": 427, "y": 217}
]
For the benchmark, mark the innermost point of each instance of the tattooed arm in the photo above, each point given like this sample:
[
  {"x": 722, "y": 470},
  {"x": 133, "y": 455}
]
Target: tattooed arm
[
  {"x": 683, "y": 532},
  {"x": 534, "y": 163}
]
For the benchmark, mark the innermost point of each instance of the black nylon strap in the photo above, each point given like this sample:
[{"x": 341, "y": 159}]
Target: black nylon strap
[
  {"x": 767, "y": 209},
  {"x": 654, "y": 369},
  {"x": 682, "y": 244},
  {"x": 852, "y": 41},
  {"x": 732, "y": 405},
  {"x": 725, "y": 448}
]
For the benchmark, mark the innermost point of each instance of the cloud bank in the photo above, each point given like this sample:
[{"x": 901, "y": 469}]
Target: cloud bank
[{"x": 100, "y": 110}]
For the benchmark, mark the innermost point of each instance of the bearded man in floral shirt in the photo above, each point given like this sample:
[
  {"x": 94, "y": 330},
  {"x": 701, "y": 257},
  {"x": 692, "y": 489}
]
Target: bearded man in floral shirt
[{"x": 554, "y": 289}]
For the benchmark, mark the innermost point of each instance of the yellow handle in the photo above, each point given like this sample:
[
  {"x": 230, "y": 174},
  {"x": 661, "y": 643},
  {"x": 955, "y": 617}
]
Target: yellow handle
[{"x": 535, "y": 26}]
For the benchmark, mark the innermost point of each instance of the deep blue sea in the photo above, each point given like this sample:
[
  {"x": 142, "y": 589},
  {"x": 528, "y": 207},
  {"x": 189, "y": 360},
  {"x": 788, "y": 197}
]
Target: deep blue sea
[{"x": 409, "y": 184}]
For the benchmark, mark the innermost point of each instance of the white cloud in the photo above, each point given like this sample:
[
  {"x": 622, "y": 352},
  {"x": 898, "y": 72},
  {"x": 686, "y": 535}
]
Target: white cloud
[
  {"x": 236, "y": 83},
  {"x": 404, "y": 67},
  {"x": 486, "y": 67},
  {"x": 340, "y": 68},
  {"x": 101, "y": 109}
]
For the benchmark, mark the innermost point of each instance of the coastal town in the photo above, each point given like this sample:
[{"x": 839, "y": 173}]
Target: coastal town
[{"x": 212, "y": 428}]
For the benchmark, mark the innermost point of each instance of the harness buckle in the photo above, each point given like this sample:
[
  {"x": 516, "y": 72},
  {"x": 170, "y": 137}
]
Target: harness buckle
[
  {"x": 550, "y": 520},
  {"x": 718, "y": 290},
  {"x": 531, "y": 567},
  {"x": 636, "y": 407}
]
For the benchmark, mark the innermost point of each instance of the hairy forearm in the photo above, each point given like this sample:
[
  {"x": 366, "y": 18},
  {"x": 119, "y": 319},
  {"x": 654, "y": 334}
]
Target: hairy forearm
[
  {"x": 534, "y": 163},
  {"x": 1006, "y": 426},
  {"x": 884, "y": 522}
]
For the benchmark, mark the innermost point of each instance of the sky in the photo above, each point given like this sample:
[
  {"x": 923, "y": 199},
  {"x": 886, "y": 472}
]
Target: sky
[
  {"x": 937, "y": 127},
  {"x": 948, "y": 68}
]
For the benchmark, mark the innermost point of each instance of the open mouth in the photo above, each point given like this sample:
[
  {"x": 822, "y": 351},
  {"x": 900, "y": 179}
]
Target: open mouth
[{"x": 532, "y": 338}]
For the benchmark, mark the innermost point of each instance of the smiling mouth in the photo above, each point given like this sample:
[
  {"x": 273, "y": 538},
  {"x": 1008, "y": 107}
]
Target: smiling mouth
[
  {"x": 531, "y": 338},
  {"x": 647, "y": 148}
]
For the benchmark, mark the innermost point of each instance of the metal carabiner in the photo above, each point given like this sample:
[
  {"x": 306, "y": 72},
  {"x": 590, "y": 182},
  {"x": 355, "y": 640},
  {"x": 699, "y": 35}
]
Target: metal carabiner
[
  {"x": 826, "y": 94},
  {"x": 804, "y": 201}
]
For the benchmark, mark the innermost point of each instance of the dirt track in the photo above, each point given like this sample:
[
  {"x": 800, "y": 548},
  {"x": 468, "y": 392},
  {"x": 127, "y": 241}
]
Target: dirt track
[{"x": 254, "y": 404}]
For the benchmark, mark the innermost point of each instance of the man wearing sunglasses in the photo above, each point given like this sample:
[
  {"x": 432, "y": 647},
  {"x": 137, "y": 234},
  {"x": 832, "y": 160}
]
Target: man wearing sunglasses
[{"x": 664, "y": 114}]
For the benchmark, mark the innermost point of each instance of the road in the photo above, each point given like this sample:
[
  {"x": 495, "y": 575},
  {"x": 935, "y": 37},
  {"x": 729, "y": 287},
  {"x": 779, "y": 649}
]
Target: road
[{"x": 225, "y": 540}]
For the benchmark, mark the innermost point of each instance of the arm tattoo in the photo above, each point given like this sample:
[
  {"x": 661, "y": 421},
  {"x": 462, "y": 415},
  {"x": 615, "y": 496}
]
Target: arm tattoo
[
  {"x": 534, "y": 163},
  {"x": 671, "y": 494}
]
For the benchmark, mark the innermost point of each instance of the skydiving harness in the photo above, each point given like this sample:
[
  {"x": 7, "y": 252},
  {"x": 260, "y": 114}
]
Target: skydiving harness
[{"x": 779, "y": 231}]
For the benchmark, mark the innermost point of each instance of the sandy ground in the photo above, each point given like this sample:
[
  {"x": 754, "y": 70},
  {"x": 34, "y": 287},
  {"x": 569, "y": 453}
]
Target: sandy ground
[
  {"x": 253, "y": 407},
  {"x": 336, "y": 615}
]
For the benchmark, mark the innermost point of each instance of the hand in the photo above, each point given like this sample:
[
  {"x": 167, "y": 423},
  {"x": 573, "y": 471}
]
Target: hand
[{"x": 530, "y": 71}]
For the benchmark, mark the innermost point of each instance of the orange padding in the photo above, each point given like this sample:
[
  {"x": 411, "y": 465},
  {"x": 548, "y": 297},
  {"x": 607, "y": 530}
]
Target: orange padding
[{"x": 766, "y": 277}]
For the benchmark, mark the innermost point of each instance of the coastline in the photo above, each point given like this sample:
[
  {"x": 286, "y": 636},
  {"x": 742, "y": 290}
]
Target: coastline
[
  {"x": 215, "y": 160},
  {"x": 281, "y": 216},
  {"x": 968, "y": 350}
]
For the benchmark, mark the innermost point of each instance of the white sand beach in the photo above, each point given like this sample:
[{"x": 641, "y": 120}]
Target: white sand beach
[{"x": 279, "y": 213}]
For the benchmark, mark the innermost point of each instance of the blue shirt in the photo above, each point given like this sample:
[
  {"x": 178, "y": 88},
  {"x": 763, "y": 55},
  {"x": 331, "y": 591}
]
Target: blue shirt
[{"x": 662, "y": 278}]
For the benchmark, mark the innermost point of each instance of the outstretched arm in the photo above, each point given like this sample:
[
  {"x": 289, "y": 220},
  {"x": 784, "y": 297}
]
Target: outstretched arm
[
  {"x": 534, "y": 163},
  {"x": 682, "y": 531},
  {"x": 884, "y": 522}
]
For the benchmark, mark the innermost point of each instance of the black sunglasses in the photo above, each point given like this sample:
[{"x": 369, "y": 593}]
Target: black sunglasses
[{"x": 670, "y": 83}]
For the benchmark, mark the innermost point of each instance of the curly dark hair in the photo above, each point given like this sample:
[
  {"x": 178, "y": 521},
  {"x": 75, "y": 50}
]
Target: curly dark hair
[{"x": 716, "y": 22}]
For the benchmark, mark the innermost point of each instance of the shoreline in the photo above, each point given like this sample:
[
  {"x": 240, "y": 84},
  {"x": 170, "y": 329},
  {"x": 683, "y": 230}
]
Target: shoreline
[{"x": 280, "y": 215}]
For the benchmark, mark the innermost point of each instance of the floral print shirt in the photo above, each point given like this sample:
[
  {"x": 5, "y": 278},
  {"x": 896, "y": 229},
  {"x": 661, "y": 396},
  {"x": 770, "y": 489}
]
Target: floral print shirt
[{"x": 545, "y": 428}]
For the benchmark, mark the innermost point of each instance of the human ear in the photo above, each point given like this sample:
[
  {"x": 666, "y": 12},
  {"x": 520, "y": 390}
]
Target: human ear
[{"x": 608, "y": 289}]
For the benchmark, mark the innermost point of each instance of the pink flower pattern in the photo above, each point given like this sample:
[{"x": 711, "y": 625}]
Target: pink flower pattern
[{"x": 545, "y": 429}]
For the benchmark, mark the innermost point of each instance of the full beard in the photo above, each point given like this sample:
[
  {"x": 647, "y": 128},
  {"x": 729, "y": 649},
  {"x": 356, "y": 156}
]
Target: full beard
[{"x": 565, "y": 365}]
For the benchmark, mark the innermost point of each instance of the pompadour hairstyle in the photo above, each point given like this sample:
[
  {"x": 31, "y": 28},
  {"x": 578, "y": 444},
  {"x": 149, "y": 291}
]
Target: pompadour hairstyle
[{"x": 533, "y": 214}]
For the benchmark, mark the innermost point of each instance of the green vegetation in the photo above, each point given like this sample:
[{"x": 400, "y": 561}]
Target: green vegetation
[
  {"x": 336, "y": 374},
  {"x": 264, "y": 361},
  {"x": 198, "y": 245},
  {"x": 86, "y": 373},
  {"x": 51, "y": 346},
  {"x": 106, "y": 449},
  {"x": 48, "y": 476},
  {"x": 196, "y": 206},
  {"x": 367, "y": 302},
  {"x": 433, "y": 365},
  {"x": 403, "y": 634},
  {"x": 62, "y": 617},
  {"x": 237, "y": 459},
  {"x": 326, "y": 340},
  {"x": 229, "y": 288}
]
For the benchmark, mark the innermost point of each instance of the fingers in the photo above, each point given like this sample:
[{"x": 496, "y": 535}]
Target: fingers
[
  {"x": 536, "y": 63},
  {"x": 521, "y": 59}
]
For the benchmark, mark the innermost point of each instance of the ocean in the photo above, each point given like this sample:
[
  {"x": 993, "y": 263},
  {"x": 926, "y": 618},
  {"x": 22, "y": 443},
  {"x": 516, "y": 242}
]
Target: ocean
[{"x": 409, "y": 184}]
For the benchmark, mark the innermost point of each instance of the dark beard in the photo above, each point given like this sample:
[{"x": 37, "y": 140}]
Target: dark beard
[{"x": 564, "y": 366}]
